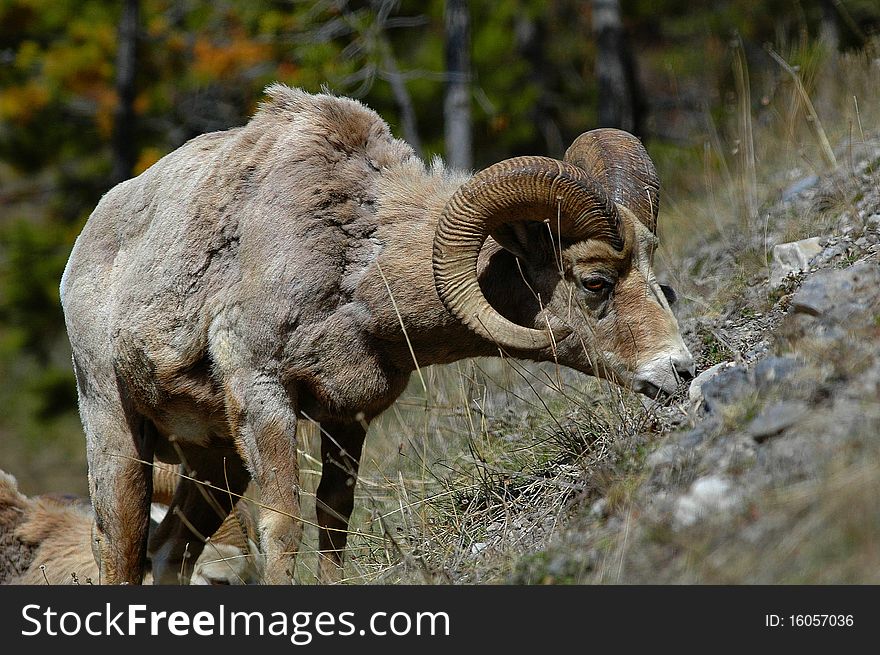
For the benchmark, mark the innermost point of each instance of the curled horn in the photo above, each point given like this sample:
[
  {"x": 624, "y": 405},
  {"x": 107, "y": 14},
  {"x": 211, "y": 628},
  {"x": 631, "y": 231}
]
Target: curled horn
[
  {"x": 620, "y": 163},
  {"x": 520, "y": 189}
]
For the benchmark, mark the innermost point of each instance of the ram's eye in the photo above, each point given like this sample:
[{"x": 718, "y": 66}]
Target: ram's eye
[{"x": 595, "y": 284}]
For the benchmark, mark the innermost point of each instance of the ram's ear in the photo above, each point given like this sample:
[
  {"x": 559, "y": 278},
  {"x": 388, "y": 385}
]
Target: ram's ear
[{"x": 528, "y": 241}]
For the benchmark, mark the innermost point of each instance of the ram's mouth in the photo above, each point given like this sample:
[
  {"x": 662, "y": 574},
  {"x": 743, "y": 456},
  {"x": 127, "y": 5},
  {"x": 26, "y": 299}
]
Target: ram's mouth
[{"x": 650, "y": 389}]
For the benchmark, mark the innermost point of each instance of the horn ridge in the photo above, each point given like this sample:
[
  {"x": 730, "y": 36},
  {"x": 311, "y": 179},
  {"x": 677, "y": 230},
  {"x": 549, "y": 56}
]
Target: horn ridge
[
  {"x": 619, "y": 161},
  {"x": 522, "y": 188}
]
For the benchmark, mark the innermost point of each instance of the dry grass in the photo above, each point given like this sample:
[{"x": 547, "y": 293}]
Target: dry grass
[
  {"x": 480, "y": 466},
  {"x": 488, "y": 473},
  {"x": 777, "y": 137},
  {"x": 471, "y": 481}
]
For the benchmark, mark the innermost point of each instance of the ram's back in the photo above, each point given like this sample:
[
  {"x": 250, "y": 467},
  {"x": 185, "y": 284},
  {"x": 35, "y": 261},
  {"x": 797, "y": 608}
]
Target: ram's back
[
  {"x": 256, "y": 232},
  {"x": 273, "y": 218}
]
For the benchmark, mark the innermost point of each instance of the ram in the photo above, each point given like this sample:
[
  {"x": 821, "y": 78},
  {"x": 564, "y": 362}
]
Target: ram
[
  {"x": 305, "y": 264},
  {"x": 49, "y": 539}
]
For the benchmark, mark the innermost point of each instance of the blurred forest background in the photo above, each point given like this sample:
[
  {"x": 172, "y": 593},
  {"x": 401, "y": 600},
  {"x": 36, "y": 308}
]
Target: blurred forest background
[{"x": 93, "y": 92}]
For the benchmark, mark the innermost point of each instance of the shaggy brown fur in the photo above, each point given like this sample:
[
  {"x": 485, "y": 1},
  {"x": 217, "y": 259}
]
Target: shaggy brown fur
[
  {"x": 49, "y": 539},
  {"x": 53, "y": 532},
  {"x": 15, "y": 554}
]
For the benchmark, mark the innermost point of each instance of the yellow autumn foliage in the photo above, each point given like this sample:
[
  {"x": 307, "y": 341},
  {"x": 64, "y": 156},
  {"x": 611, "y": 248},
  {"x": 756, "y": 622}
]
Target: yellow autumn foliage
[
  {"x": 19, "y": 104},
  {"x": 147, "y": 157},
  {"x": 213, "y": 60}
]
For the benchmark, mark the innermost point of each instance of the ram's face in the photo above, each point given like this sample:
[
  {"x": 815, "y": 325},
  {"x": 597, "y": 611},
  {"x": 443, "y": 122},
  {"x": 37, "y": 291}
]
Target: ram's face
[
  {"x": 622, "y": 325},
  {"x": 583, "y": 230}
]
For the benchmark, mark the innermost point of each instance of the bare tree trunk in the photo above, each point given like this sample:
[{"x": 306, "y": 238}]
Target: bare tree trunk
[
  {"x": 123, "y": 142},
  {"x": 457, "y": 103},
  {"x": 391, "y": 73},
  {"x": 531, "y": 44},
  {"x": 620, "y": 99}
]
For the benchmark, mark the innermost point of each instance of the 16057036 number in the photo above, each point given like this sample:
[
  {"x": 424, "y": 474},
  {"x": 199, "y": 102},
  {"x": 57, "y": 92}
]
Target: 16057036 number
[{"x": 820, "y": 620}]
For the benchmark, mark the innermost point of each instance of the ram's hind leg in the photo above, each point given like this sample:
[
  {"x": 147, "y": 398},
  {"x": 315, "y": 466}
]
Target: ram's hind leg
[
  {"x": 118, "y": 443},
  {"x": 341, "y": 446},
  {"x": 196, "y": 511}
]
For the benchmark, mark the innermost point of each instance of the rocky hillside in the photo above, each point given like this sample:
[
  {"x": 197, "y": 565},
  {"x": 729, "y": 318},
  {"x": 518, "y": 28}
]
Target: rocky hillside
[{"x": 769, "y": 471}]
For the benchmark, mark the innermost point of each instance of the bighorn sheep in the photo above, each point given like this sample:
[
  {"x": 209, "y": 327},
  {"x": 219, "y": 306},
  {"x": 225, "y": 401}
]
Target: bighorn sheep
[
  {"x": 15, "y": 553},
  {"x": 305, "y": 264},
  {"x": 49, "y": 539}
]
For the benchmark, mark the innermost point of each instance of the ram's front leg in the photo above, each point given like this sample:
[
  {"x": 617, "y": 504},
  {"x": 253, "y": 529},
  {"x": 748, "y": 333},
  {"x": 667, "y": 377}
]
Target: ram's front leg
[
  {"x": 263, "y": 422},
  {"x": 341, "y": 446}
]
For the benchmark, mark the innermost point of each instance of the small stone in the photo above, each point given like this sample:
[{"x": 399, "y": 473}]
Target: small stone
[
  {"x": 799, "y": 187},
  {"x": 836, "y": 293},
  {"x": 695, "y": 391},
  {"x": 775, "y": 419},
  {"x": 664, "y": 456},
  {"x": 708, "y": 495},
  {"x": 558, "y": 566},
  {"x": 726, "y": 387},
  {"x": 478, "y": 547},
  {"x": 771, "y": 371},
  {"x": 599, "y": 508},
  {"x": 792, "y": 257}
]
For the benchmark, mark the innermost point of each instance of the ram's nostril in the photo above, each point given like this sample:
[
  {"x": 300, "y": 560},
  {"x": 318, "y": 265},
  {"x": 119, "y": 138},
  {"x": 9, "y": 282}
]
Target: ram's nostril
[
  {"x": 685, "y": 374},
  {"x": 669, "y": 293}
]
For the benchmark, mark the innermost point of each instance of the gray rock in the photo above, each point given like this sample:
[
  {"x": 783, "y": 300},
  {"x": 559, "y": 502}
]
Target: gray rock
[
  {"x": 695, "y": 391},
  {"x": 599, "y": 508},
  {"x": 831, "y": 251},
  {"x": 792, "y": 257},
  {"x": 691, "y": 439},
  {"x": 478, "y": 547},
  {"x": 776, "y": 418},
  {"x": 757, "y": 350},
  {"x": 614, "y": 523},
  {"x": 727, "y": 387},
  {"x": 837, "y": 294},
  {"x": 771, "y": 371},
  {"x": 664, "y": 456},
  {"x": 708, "y": 495},
  {"x": 799, "y": 187},
  {"x": 559, "y": 566}
]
